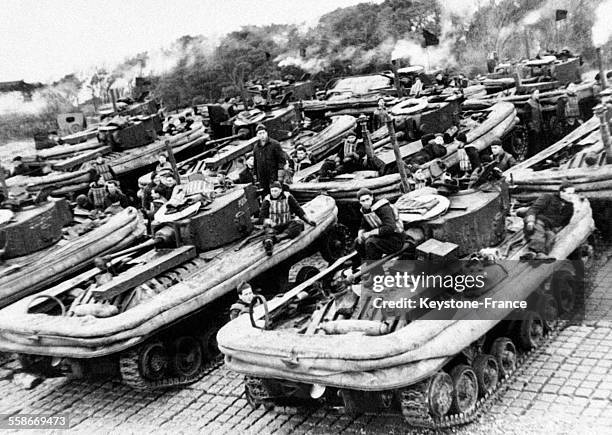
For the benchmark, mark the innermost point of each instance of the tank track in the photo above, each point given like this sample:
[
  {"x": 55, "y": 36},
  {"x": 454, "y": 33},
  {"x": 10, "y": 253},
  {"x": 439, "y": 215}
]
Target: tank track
[
  {"x": 130, "y": 373},
  {"x": 129, "y": 366},
  {"x": 414, "y": 401}
]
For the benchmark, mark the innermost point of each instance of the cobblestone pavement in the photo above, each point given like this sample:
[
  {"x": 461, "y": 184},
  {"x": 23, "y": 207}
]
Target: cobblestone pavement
[{"x": 567, "y": 389}]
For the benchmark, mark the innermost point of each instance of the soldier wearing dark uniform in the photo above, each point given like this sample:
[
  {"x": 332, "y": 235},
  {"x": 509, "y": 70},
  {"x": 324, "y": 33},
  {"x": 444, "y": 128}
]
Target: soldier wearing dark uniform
[
  {"x": 19, "y": 167},
  {"x": 381, "y": 232},
  {"x": 269, "y": 159},
  {"x": 503, "y": 160},
  {"x": 162, "y": 164},
  {"x": 379, "y": 117},
  {"x": 535, "y": 123},
  {"x": 166, "y": 184},
  {"x": 301, "y": 159},
  {"x": 246, "y": 174},
  {"x": 278, "y": 211},
  {"x": 547, "y": 214}
]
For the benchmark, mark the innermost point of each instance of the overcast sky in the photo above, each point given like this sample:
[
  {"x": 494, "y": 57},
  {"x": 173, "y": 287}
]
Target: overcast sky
[{"x": 42, "y": 40}]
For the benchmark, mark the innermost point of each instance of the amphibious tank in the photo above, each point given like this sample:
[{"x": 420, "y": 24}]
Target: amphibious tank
[
  {"x": 583, "y": 158},
  {"x": 328, "y": 342},
  {"x": 43, "y": 242},
  {"x": 150, "y": 313},
  {"x": 481, "y": 129},
  {"x": 68, "y": 169}
]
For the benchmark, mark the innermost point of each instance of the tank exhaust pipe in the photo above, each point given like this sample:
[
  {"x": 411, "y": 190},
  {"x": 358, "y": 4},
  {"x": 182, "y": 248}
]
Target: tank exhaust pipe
[
  {"x": 604, "y": 129},
  {"x": 602, "y": 72},
  {"x": 113, "y": 99},
  {"x": 396, "y": 78}
]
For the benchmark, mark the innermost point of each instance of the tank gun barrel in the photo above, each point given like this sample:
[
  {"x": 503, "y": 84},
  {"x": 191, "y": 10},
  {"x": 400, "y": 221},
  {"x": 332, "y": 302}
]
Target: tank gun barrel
[
  {"x": 165, "y": 236},
  {"x": 218, "y": 143}
]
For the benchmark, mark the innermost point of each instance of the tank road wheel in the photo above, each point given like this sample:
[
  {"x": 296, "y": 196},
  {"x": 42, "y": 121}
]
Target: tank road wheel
[
  {"x": 563, "y": 287},
  {"x": 257, "y": 393},
  {"x": 188, "y": 357},
  {"x": 440, "y": 394},
  {"x": 465, "y": 393},
  {"x": 547, "y": 308},
  {"x": 433, "y": 396},
  {"x": 144, "y": 365},
  {"x": 504, "y": 352},
  {"x": 530, "y": 330},
  {"x": 209, "y": 342},
  {"x": 38, "y": 365},
  {"x": 305, "y": 273},
  {"x": 335, "y": 243},
  {"x": 487, "y": 373}
]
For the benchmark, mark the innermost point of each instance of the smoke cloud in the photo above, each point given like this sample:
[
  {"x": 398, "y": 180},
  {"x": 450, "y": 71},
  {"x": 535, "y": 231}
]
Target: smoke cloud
[
  {"x": 602, "y": 30},
  {"x": 13, "y": 102},
  {"x": 310, "y": 65}
]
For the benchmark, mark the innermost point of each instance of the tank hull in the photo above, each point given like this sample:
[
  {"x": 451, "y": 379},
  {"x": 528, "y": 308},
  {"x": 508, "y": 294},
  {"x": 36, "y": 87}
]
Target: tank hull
[
  {"x": 401, "y": 358},
  {"x": 214, "y": 275}
]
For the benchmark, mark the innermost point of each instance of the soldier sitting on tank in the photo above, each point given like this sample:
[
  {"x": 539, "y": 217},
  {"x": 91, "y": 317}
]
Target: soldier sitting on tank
[
  {"x": 329, "y": 168},
  {"x": 485, "y": 171},
  {"x": 543, "y": 219},
  {"x": 19, "y": 167},
  {"x": 245, "y": 296},
  {"x": 113, "y": 188},
  {"x": 189, "y": 120},
  {"x": 103, "y": 168},
  {"x": 166, "y": 184},
  {"x": 502, "y": 159},
  {"x": 98, "y": 193},
  {"x": 162, "y": 164},
  {"x": 277, "y": 213},
  {"x": 301, "y": 159},
  {"x": 351, "y": 155},
  {"x": 246, "y": 174},
  {"x": 83, "y": 208},
  {"x": 288, "y": 169},
  {"x": 381, "y": 232}
]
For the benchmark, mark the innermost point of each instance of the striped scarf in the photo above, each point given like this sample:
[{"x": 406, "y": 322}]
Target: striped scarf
[
  {"x": 572, "y": 110},
  {"x": 98, "y": 195},
  {"x": 104, "y": 170},
  {"x": 464, "y": 161},
  {"x": 349, "y": 148}
]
